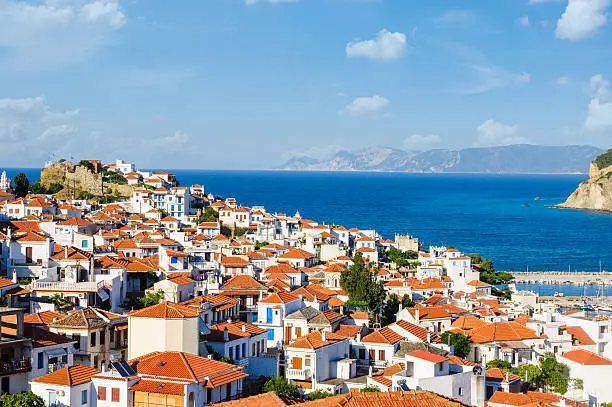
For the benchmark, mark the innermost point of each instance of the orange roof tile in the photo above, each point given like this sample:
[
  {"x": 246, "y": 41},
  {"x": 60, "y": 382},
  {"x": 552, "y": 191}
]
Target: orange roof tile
[
  {"x": 166, "y": 310},
  {"x": 579, "y": 335},
  {"x": 428, "y": 356},
  {"x": 68, "y": 376},
  {"x": 385, "y": 335},
  {"x": 270, "y": 399},
  {"x": 584, "y": 357}
]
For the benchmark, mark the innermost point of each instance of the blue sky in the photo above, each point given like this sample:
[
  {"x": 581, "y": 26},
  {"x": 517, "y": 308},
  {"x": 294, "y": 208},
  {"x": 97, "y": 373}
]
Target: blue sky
[{"x": 247, "y": 84}]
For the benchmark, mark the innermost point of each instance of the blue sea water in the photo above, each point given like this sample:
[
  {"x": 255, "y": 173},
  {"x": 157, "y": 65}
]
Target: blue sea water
[{"x": 502, "y": 217}]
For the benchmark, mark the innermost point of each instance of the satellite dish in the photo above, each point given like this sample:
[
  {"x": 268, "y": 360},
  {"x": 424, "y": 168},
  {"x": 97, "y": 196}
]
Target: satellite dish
[{"x": 477, "y": 370}]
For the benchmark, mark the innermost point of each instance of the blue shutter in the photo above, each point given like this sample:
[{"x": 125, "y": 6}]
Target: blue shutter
[
  {"x": 270, "y": 334},
  {"x": 269, "y": 315}
]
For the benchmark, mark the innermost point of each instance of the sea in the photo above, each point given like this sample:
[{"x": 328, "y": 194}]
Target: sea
[{"x": 507, "y": 218}]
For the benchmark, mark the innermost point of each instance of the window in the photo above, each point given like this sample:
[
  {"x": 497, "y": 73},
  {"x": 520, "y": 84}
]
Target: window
[
  {"x": 269, "y": 315},
  {"x": 307, "y": 360},
  {"x": 231, "y": 352},
  {"x": 440, "y": 366},
  {"x": 101, "y": 393},
  {"x": 77, "y": 338},
  {"x": 381, "y": 355},
  {"x": 83, "y": 397},
  {"x": 41, "y": 360},
  {"x": 460, "y": 391},
  {"x": 271, "y": 334},
  {"x": 92, "y": 341},
  {"x": 102, "y": 337},
  {"x": 115, "y": 395},
  {"x": 253, "y": 349},
  {"x": 84, "y": 244},
  {"x": 244, "y": 350},
  {"x": 173, "y": 260}
]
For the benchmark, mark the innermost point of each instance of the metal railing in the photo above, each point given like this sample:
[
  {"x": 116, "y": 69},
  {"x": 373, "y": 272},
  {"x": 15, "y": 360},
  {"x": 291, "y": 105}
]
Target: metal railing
[{"x": 15, "y": 366}]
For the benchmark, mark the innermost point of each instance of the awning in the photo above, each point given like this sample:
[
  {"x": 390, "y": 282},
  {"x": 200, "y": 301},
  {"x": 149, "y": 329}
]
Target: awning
[
  {"x": 56, "y": 352},
  {"x": 121, "y": 327},
  {"x": 103, "y": 294}
]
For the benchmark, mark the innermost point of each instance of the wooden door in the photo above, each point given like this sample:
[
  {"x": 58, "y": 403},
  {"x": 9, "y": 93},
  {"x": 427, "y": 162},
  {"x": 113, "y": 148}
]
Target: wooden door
[
  {"x": 287, "y": 334},
  {"x": 296, "y": 363},
  {"x": 372, "y": 354},
  {"x": 28, "y": 255},
  {"x": 298, "y": 332}
]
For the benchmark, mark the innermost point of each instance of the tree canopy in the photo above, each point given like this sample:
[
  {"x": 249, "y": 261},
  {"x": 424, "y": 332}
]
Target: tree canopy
[
  {"x": 281, "y": 386},
  {"x": 361, "y": 284},
  {"x": 488, "y": 274},
  {"x": 208, "y": 215},
  {"x": 25, "y": 399},
  {"x": 318, "y": 394},
  {"x": 151, "y": 299},
  {"x": 86, "y": 164},
  {"x": 21, "y": 185},
  {"x": 461, "y": 344}
]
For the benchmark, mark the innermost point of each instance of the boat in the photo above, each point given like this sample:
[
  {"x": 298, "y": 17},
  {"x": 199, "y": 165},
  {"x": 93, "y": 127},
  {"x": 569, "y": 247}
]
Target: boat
[
  {"x": 558, "y": 294},
  {"x": 537, "y": 198},
  {"x": 587, "y": 307}
]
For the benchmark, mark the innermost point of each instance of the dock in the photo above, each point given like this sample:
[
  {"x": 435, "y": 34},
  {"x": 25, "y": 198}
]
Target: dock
[{"x": 562, "y": 277}]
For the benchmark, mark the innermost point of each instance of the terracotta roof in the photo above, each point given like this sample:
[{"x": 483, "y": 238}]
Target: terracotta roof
[
  {"x": 348, "y": 331},
  {"x": 166, "y": 310},
  {"x": 415, "y": 330},
  {"x": 5, "y": 282},
  {"x": 279, "y": 298},
  {"x": 584, "y": 357},
  {"x": 501, "y": 331},
  {"x": 296, "y": 254},
  {"x": 41, "y": 318},
  {"x": 234, "y": 261},
  {"x": 237, "y": 329},
  {"x": 501, "y": 375},
  {"x": 478, "y": 283},
  {"x": 242, "y": 281},
  {"x": 159, "y": 387},
  {"x": 270, "y": 399},
  {"x": 360, "y": 315},
  {"x": 468, "y": 322},
  {"x": 68, "y": 376},
  {"x": 75, "y": 222},
  {"x": 385, "y": 335},
  {"x": 579, "y": 335},
  {"x": 414, "y": 398},
  {"x": 187, "y": 367},
  {"x": 335, "y": 302},
  {"x": 314, "y": 340},
  {"x": 430, "y": 357},
  {"x": 85, "y": 318}
]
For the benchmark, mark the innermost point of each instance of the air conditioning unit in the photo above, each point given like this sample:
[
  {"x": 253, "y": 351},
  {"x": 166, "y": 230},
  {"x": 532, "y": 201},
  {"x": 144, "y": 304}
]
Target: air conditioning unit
[{"x": 82, "y": 295}]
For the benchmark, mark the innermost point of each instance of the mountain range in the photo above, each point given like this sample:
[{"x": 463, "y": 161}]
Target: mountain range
[{"x": 512, "y": 159}]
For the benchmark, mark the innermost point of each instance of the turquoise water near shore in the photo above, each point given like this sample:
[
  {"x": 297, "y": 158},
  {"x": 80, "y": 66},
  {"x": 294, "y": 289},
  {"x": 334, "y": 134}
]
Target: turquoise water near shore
[{"x": 503, "y": 217}]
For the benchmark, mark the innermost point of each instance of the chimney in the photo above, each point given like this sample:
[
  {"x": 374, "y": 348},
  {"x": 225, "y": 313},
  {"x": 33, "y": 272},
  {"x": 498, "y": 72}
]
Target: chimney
[
  {"x": 507, "y": 377},
  {"x": 428, "y": 337},
  {"x": 370, "y": 371},
  {"x": 323, "y": 336},
  {"x": 243, "y": 327},
  {"x": 301, "y": 297},
  {"x": 417, "y": 314},
  {"x": 66, "y": 251},
  {"x": 358, "y": 336},
  {"x": 562, "y": 402},
  {"x": 14, "y": 276},
  {"x": 225, "y": 334},
  {"x": 315, "y": 298}
]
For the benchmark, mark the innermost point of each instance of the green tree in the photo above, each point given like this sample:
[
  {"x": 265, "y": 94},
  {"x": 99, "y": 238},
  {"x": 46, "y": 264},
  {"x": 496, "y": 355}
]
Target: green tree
[
  {"x": 554, "y": 374},
  {"x": 531, "y": 374},
  {"x": 86, "y": 164},
  {"x": 397, "y": 256},
  {"x": 370, "y": 389},
  {"x": 488, "y": 274},
  {"x": 259, "y": 245},
  {"x": 461, "y": 344},
  {"x": 501, "y": 364},
  {"x": 282, "y": 386},
  {"x": 240, "y": 231},
  {"x": 25, "y": 399},
  {"x": 407, "y": 301},
  {"x": 151, "y": 299},
  {"x": 208, "y": 215},
  {"x": 21, "y": 185},
  {"x": 361, "y": 284},
  {"x": 318, "y": 394},
  {"x": 390, "y": 309}
]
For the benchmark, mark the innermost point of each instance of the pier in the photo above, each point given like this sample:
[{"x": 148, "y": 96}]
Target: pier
[{"x": 562, "y": 277}]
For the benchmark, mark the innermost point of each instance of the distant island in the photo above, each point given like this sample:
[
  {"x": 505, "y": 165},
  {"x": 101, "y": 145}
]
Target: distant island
[
  {"x": 596, "y": 192},
  {"x": 512, "y": 159}
]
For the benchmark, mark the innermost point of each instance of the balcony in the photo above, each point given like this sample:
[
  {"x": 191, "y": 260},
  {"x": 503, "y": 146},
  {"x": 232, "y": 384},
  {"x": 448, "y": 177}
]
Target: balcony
[
  {"x": 66, "y": 286},
  {"x": 15, "y": 366},
  {"x": 298, "y": 374}
]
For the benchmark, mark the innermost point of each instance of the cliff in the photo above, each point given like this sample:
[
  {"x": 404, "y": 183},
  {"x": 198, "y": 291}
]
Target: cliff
[
  {"x": 596, "y": 192},
  {"x": 79, "y": 182}
]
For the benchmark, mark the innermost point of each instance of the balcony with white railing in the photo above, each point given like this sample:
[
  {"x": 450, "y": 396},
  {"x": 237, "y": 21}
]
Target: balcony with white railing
[
  {"x": 87, "y": 286},
  {"x": 298, "y": 374}
]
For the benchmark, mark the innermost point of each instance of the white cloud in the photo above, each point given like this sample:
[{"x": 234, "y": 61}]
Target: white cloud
[
  {"x": 420, "y": 142},
  {"x": 53, "y": 33},
  {"x": 106, "y": 11},
  {"x": 253, "y": 2},
  {"x": 599, "y": 115},
  {"x": 524, "y": 21},
  {"x": 523, "y": 78},
  {"x": 387, "y": 46},
  {"x": 582, "y": 19},
  {"x": 366, "y": 105},
  {"x": 30, "y": 128},
  {"x": 492, "y": 133}
]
